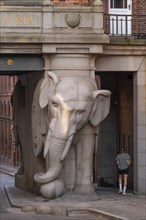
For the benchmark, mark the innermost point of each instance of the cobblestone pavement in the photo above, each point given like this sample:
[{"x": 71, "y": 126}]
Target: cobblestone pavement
[
  {"x": 4, "y": 202},
  {"x": 7, "y": 212},
  {"x": 106, "y": 203}
]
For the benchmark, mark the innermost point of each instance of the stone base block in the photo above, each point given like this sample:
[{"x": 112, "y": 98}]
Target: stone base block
[{"x": 20, "y": 181}]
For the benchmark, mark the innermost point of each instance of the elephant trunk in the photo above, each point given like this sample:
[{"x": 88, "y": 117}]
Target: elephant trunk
[{"x": 56, "y": 149}]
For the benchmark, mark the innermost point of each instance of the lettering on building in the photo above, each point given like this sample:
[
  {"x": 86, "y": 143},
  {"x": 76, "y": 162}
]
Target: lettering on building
[
  {"x": 16, "y": 20},
  {"x": 8, "y": 20}
]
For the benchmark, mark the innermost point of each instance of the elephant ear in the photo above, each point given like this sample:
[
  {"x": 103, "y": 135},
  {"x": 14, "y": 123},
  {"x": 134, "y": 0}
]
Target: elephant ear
[
  {"x": 47, "y": 88},
  {"x": 39, "y": 122},
  {"x": 40, "y": 115},
  {"x": 101, "y": 106}
]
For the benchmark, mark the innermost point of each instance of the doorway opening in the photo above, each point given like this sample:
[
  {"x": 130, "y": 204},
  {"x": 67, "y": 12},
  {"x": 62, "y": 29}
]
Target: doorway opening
[
  {"x": 117, "y": 129},
  {"x": 12, "y": 68}
]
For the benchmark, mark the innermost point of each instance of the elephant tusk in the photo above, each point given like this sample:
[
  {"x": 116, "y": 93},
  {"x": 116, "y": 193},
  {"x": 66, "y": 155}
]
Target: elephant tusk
[
  {"x": 47, "y": 144},
  {"x": 66, "y": 148}
]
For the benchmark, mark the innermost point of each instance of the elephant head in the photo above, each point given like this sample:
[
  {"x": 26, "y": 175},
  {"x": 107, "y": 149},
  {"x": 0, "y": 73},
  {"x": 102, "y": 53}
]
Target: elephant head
[{"x": 69, "y": 103}]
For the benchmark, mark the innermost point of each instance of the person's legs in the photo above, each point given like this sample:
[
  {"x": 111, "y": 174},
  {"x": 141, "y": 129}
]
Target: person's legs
[
  {"x": 125, "y": 183},
  {"x": 120, "y": 183}
]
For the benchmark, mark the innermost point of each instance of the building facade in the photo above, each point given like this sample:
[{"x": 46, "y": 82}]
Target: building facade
[
  {"x": 8, "y": 150},
  {"x": 102, "y": 39}
]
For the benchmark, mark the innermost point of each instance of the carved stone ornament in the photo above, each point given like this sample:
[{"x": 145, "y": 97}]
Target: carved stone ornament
[{"x": 73, "y": 19}]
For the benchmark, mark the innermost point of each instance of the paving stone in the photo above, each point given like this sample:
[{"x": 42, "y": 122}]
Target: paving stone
[{"x": 106, "y": 203}]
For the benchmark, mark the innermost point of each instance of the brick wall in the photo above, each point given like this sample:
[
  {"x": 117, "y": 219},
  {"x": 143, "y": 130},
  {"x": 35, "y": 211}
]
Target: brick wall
[
  {"x": 139, "y": 7},
  {"x": 8, "y": 151},
  {"x": 105, "y": 6},
  {"x": 139, "y": 12},
  {"x": 106, "y": 18}
]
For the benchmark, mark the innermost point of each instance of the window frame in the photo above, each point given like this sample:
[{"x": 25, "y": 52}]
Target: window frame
[{"x": 113, "y": 4}]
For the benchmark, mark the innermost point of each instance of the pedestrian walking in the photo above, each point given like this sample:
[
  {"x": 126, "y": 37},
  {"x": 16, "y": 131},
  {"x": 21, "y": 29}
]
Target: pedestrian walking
[{"x": 123, "y": 161}]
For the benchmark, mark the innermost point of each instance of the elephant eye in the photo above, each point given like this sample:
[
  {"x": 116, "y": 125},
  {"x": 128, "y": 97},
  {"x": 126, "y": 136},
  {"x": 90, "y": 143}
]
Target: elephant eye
[
  {"x": 55, "y": 104},
  {"x": 80, "y": 112}
]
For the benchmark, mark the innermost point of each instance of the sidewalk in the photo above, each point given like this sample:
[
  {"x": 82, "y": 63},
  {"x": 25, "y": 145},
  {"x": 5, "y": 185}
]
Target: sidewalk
[
  {"x": 106, "y": 201},
  {"x": 8, "y": 169}
]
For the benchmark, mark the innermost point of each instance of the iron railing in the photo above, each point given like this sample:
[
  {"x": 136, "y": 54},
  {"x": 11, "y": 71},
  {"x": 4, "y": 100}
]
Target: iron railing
[{"x": 125, "y": 25}]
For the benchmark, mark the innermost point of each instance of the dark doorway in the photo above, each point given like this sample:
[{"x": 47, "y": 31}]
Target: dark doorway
[{"x": 117, "y": 129}]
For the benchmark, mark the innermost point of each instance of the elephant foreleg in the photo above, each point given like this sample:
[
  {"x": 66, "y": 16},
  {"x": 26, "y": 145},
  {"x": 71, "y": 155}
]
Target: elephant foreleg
[{"x": 84, "y": 159}]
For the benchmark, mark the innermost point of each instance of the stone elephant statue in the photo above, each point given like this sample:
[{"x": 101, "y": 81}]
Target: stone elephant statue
[{"x": 65, "y": 112}]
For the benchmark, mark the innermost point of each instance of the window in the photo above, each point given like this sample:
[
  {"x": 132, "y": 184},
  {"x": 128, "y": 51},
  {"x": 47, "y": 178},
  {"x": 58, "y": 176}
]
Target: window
[{"x": 118, "y": 3}]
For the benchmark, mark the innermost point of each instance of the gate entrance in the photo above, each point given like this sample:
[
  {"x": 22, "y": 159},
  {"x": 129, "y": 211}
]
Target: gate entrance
[
  {"x": 117, "y": 129},
  {"x": 13, "y": 66}
]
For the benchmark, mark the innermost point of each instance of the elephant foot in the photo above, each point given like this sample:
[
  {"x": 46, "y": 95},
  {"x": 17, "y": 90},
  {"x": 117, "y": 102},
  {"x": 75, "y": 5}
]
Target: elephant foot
[
  {"x": 84, "y": 189},
  {"x": 53, "y": 190}
]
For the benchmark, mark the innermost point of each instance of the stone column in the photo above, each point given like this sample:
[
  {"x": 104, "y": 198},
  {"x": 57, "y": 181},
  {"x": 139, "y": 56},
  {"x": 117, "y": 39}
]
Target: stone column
[
  {"x": 140, "y": 129},
  {"x": 70, "y": 64}
]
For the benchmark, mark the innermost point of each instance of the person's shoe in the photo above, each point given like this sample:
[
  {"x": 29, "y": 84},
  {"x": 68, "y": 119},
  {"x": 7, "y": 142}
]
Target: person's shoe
[
  {"x": 124, "y": 193},
  {"x": 120, "y": 192}
]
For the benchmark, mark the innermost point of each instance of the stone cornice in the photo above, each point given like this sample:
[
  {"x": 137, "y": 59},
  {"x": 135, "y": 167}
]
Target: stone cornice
[
  {"x": 25, "y": 2},
  {"x": 123, "y": 50},
  {"x": 55, "y": 38},
  {"x": 123, "y": 40}
]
